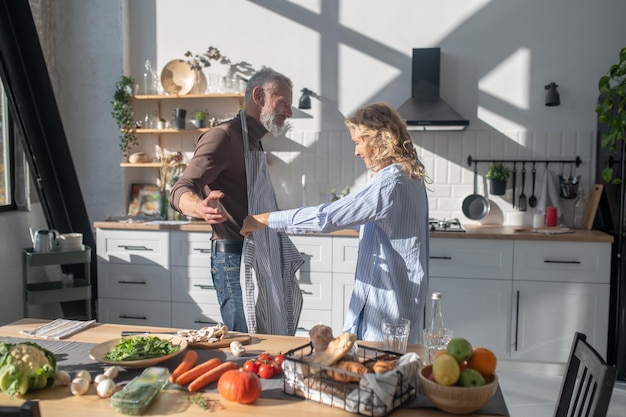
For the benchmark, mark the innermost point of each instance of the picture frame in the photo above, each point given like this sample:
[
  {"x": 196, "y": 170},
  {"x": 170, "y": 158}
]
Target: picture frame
[{"x": 145, "y": 199}]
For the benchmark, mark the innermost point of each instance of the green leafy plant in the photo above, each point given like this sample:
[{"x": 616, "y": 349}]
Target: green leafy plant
[
  {"x": 499, "y": 172},
  {"x": 200, "y": 114},
  {"x": 199, "y": 61},
  {"x": 124, "y": 115},
  {"x": 610, "y": 110}
]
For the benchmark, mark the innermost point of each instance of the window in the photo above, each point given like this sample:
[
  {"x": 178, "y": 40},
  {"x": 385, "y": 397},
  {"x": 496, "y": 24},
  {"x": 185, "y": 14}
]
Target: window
[{"x": 7, "y": 168}]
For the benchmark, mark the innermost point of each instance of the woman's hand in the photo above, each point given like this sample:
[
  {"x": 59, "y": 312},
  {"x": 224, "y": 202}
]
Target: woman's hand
[{"x": 254, "y": 223}]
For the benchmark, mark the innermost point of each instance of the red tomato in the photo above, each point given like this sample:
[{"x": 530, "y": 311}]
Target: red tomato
[
  {"x": 279, "y": 358},
  {"x": 251, "y": 366},
  {"x": 265, "y": 357},
  {"x": 266, "y": 371},
  {"x": 278, "y": 368}
]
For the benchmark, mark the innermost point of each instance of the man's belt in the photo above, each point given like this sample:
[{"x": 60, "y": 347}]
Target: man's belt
[{"x": 227, "y": 246}]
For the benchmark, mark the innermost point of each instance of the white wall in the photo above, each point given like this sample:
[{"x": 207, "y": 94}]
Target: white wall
[{"x": 496, "y": 58}]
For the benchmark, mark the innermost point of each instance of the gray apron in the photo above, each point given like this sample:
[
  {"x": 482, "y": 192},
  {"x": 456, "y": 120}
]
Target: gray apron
[{"x": 271, "y": 296}]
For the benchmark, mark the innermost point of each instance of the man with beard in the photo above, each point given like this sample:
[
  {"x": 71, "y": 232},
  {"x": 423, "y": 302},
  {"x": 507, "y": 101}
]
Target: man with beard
[{"x": 226, "y": 180}]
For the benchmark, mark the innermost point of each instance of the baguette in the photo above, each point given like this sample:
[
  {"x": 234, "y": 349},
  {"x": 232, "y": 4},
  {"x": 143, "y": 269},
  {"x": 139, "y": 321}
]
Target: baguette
[{"x": 335, "y": 350}]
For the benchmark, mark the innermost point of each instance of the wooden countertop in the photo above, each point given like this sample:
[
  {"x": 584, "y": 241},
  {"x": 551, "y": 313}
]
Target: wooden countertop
[
  {"x": 471, "y": 232},
  {"x": 59, "y": 402}
]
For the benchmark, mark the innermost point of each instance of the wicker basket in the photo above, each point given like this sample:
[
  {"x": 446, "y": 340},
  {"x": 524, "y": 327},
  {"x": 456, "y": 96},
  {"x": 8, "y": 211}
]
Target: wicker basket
[
  {"x": 455, "y": 399},
  {"x": 310, "y": 380}
]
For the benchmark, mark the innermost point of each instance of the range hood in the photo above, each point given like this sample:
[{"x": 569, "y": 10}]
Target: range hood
[{"x": 426, "y": 110}]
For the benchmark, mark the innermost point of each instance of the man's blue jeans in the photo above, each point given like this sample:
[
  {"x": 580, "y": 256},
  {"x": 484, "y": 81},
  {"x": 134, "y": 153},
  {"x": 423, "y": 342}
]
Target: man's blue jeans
[{"x": 225, "y": 272}]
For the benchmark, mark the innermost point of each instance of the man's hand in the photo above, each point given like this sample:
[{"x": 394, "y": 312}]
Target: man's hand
[
  {"x": 211, "y": 209},
  {"x": 254, "y": 223}
]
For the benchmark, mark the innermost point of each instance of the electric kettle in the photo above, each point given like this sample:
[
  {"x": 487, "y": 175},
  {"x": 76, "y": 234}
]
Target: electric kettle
[{"x": 44, "y": 240}]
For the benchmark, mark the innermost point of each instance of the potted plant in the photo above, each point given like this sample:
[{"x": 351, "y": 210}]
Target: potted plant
[
  {"x": 498, "y": 174},
  {"x": 611, "y": 111},
  {"x": 199, "y": 116},
  {"x": 123, "y": 114}
]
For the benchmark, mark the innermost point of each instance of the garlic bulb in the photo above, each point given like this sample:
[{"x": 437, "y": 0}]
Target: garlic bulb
[{"x": 237, "y": 348}]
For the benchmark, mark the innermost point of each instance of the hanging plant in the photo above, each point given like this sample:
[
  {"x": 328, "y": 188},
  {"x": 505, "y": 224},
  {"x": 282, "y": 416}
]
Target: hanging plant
[
  {"x": 611, "y": 110},
  {"x": 123, "y": 114}
]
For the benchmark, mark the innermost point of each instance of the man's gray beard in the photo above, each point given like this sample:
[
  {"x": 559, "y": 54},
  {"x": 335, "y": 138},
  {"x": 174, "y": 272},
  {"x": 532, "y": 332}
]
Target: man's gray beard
[{"x": 267, "y": 120}]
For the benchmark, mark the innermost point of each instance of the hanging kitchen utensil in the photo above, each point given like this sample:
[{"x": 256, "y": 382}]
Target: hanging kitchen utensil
[
  {"x": 522, "y": 196},
  {"x": 514, "y": 178},
  {"x": 569, "y": 185},
  {"x": 532, "y": 201},
  {"x": 475, "y": 206}
]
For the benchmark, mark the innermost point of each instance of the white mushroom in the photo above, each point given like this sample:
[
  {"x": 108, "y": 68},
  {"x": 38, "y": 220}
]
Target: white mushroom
[
  {"x": 237, "y": 348},
  {"x": 99, "y": 378},
  {"x": 79, "y": 386},
  {"x": 111, "y": 371},
  {"x": 62, "y": 379},
  {"x": 105, "y": 388},
  {"x": 83, "y": 374}
]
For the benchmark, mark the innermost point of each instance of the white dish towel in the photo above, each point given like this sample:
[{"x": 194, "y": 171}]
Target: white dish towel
[{"x": 58, "y": 329}]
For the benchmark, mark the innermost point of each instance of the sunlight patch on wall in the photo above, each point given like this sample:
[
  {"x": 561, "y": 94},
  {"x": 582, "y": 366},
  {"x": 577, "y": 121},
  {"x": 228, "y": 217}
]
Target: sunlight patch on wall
[
  {"x": 498, "y": 121},
  {"x": 351, "y": 67},
  {"x": 509, "y": 81}
]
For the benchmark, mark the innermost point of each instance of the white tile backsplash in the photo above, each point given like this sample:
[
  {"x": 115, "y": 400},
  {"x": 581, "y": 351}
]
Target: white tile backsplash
[{"x": 327, "y": 161}]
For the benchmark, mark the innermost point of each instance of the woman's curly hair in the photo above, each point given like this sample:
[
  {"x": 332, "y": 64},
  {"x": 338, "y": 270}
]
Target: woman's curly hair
[{"x": 385, "y": 133}]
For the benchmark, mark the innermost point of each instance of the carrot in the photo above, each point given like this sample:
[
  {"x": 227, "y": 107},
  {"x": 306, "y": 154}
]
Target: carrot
[
  {"x": 211, "y": 376},
  {"x": 186, "y": 364},
  {"x": 197, "y": 370}
]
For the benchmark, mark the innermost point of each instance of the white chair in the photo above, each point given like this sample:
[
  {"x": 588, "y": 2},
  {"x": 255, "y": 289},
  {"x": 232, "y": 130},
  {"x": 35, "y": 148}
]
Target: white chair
[{"x": 587, "y": 384}]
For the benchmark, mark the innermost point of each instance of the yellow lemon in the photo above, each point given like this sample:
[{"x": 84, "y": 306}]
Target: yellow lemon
[{"x": 446, "y": 370}]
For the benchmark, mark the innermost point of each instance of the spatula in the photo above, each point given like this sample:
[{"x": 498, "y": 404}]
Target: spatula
[
  {"x": 514, "y": 180},
  {"x": 522, "y": 196},
  {"x": 532, "y": 201}
]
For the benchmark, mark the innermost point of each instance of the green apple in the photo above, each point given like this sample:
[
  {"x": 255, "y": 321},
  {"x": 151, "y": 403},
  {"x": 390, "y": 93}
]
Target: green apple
[
  {"x": 460, "y": 349},
  {"x": 471, "y": 378}
]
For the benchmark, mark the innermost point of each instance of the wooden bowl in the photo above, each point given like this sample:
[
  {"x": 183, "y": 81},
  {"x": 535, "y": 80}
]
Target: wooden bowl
[{"x": 454, "y": 399}]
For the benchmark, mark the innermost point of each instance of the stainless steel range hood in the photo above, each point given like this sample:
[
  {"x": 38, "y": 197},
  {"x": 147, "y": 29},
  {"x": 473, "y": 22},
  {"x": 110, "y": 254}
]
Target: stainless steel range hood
[{"x": 426, "y": 110}]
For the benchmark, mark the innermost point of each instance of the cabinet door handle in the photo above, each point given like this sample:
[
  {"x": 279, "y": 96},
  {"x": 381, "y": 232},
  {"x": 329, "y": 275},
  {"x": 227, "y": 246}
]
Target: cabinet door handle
[
  {"x": 302, "y": 329},
  {"x": 132, "y": 282},
  {"x": 131, "y": 247},
  {"x": 549, "y": 261},
  {"x": 305, "y": 292},
  {"x": 124, "y": 316},
  {"x": 447, "y": 258},
  {"x": 516, "y": 318},
  {"x": 204, "y": 322},
  {"x": 202, "y": 250},
  {"x": 204, "y": 287}
]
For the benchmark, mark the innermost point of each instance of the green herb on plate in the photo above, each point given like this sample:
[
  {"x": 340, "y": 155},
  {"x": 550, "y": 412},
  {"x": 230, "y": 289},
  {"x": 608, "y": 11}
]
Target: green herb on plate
[{"x": 140, "y": 347}]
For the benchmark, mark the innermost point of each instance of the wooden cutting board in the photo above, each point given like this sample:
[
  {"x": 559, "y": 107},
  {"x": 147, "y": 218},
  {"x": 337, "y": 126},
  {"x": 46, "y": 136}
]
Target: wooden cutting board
[
  {"x": 592, "y": 205},
  {"x": 243, "y": 338}
]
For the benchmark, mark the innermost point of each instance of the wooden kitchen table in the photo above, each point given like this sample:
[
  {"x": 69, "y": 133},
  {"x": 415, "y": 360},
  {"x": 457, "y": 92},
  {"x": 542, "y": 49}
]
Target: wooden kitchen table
[{"x": 59, "y": 402}]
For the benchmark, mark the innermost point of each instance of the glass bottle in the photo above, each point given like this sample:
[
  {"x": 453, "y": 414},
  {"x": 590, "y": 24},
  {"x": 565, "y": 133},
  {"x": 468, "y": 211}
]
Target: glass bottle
[
  {"x": 579, "y": 210},
  {"x": 436, "y": 316}
]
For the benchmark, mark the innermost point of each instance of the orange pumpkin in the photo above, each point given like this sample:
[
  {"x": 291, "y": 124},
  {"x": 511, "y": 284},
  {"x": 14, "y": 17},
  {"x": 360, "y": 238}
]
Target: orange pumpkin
[{"x": 240, "y": 386}]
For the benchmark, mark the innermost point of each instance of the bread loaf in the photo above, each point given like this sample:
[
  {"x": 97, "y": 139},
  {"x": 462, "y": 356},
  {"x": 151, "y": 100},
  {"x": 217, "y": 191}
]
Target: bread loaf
[
  {"x": 335, "y": 350},
  {"x": 384, "y": 366},
  {"x": 350, "y": 366},
  {"x": 320, "y": 335}
]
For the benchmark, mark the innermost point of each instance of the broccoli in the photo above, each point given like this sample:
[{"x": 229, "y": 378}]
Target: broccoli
[{"x": 25, "y": 366}]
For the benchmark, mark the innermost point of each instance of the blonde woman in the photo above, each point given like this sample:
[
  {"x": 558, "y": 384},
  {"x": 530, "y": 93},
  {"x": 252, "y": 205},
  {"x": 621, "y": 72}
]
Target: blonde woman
[{"x": 391, "y": 278}]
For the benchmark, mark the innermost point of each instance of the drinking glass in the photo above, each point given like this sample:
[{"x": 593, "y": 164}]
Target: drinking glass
[
  {"x": 396, "y": 334},
  {"x": 434, "y": 341}
]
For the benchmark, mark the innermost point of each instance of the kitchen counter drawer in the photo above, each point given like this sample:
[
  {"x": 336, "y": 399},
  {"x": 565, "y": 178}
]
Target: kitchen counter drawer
[
  {"x": 563, "y": 262},
  {"x": 193, "y": 285},
  {"x": 317, "y": 252},
  {"x": 142, "y": 313},
  {"x": 486, "y": 259},
  {"x": 345, "y": 250},
  {"x": 149, "y": 282},
  {"x": 136, "y": 247},
  {"x": 195, "y": 316},
  {"x": 191, "y": 249},
  {"x": 316, "y": 289}
]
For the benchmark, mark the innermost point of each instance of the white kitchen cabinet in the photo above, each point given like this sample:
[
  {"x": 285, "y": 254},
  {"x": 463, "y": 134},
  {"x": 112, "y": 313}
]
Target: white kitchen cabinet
[
  {"x": 559, "y": 289},
  {"x": 345, "y": 252},
  {"x": 315, "y": 280},
  {"x": 474, "y": 277},
  {"x": 134, "y": 283}
]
